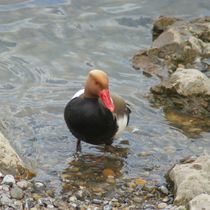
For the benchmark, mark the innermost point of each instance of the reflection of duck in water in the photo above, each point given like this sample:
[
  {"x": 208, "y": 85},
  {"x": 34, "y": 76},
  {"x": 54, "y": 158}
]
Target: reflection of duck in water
[
  {"x": 92, "y": 115},
  {"x": 86, "y": 170}
]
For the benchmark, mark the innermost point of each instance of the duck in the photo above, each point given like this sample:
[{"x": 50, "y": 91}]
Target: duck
[{"x": 95, "y": 116}]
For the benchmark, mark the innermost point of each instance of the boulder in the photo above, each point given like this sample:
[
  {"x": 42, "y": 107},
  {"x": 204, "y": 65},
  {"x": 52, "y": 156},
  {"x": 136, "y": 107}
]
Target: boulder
[
  {"x": 187, "y": 83},
  {"x": 186, "y": 91},
  {"x": 200, "y": 202},
  {"x": 161, "y": 24},
  {"x": 191, "y": 179},
  {"x": 176, "y": 42},
  {"x": 10, "y": 162}
]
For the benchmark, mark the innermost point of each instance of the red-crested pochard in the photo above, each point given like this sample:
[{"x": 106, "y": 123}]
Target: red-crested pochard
[{"x": 95, "y": 116}]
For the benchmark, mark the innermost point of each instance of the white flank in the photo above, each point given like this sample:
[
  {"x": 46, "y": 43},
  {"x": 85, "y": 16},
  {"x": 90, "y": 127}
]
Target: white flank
[
  {"x": 78, "y": 93},
  {"x": 122, "y": 123}
]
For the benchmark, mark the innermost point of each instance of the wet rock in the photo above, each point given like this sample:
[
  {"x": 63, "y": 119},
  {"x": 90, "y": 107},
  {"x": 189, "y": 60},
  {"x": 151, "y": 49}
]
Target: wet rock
[
  {"x": 190, "y": 180},
  {"x": 176, "y": 42},
  {"x": 108, "y": 172},
  {"x": 97, "y": 201},
  {"x": 8, "y": 180},
  {"x": 200, "y": 202},
  {"x": 10, "y": 162},
  {"x": 161, "y": 24},
  {"x": 163, "y": 189},
  {"x": 16, "y": 193},
  {"x": 140, "y": 181},
  {"x": 187, "y": 90},
  {"x": 39, "y": 186},
  {"x": 187, "y": 82},
  {"x": 150, "y": 65}
]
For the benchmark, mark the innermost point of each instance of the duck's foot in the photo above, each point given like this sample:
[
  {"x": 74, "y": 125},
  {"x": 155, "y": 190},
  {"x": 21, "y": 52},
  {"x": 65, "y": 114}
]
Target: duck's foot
[{"x": 78, "y": 147}]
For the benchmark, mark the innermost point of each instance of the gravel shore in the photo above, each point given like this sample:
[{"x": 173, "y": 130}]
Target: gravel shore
[{"x": 125, "y": 194}]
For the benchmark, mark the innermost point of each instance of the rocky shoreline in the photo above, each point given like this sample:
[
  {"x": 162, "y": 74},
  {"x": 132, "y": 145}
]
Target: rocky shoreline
[{"x": 130, "y": 194}]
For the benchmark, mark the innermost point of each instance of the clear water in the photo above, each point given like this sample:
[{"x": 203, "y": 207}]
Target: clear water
[{"x": 46, "y": 49}]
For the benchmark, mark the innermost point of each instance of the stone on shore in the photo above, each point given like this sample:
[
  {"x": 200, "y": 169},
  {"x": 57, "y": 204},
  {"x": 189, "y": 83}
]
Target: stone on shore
[
  {"x": 176, "y": 42},
  {"x": 186, "y": 82},
  {"x": 186, "y": 90},
  {"x": 200, "y": 202},
  {"x": 191, "y": 180},
  {"x": 10, "y": 162}
]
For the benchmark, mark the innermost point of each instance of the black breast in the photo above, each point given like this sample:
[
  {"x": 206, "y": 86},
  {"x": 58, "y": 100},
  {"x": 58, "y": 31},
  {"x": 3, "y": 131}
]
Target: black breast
[{"x": 89, "y": 121}]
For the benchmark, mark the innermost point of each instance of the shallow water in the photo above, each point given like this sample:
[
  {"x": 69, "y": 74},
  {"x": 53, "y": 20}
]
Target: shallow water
[{"x": 46, "y": 49}]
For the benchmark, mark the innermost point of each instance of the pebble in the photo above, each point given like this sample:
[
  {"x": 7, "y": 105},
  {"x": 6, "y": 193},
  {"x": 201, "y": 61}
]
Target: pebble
[
  {"x": 9, "y": 180},
  {"x": 29, "y": 203},
  {"x": 164, "y": 189},
  {"x": 97, "y": 201},
  {"x": 131, "y": 184},
  {"x": 107, "y": 207},
  {"x": 72, "y": 199},
  {"x": 165, "y": 199},
  {"x": 39, "y": 186},
  {"x": 23, "y": 184},
  {"x": 137, "y": 199},
  {"x": 80, "y": 194},
  {"x": 16, "y": 193},
  {"x": 5, "y": 200},
  {"x": 110, "y": 180},
  {"x": 5, "y": 188},
  {"x": 162, "y": 205}
]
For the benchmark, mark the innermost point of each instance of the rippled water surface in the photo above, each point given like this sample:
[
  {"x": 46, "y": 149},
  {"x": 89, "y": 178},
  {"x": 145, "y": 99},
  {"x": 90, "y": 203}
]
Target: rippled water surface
[{"x": 46, "y": 49}]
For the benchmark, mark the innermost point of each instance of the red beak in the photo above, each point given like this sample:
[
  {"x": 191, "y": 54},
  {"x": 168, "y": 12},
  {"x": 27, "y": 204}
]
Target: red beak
[{"x": 106, "y": 99}]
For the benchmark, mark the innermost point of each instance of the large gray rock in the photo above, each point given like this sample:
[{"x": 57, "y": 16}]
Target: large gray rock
[
  {"x": 10, "y": 162},
  {"x": 186, "y": 91},
  {"x": 191, "y": 179},
  {"x": 176, "y": 42},
  {"x": 188, "y": 82},
  {"x": 200, "y": 202}
]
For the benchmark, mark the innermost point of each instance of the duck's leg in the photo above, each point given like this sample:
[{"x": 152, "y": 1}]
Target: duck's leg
[{"x": 78, "y": 147}]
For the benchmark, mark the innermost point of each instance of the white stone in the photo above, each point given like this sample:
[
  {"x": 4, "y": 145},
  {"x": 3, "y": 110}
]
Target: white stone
[
  {"x": 23, "y": 184},
  {"x": 188, "y": 82},
  {"x": 191, "y": 179},
  {"x": 200, "y": 202},
  {"x": 162, "y": 205},
  {"x": 10, "y": 162},
  {"x": 8, "y": 180}
]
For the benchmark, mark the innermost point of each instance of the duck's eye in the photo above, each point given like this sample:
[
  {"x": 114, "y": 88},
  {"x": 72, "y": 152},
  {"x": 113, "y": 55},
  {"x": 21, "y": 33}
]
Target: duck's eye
[{"x": 96, "y": 83}]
